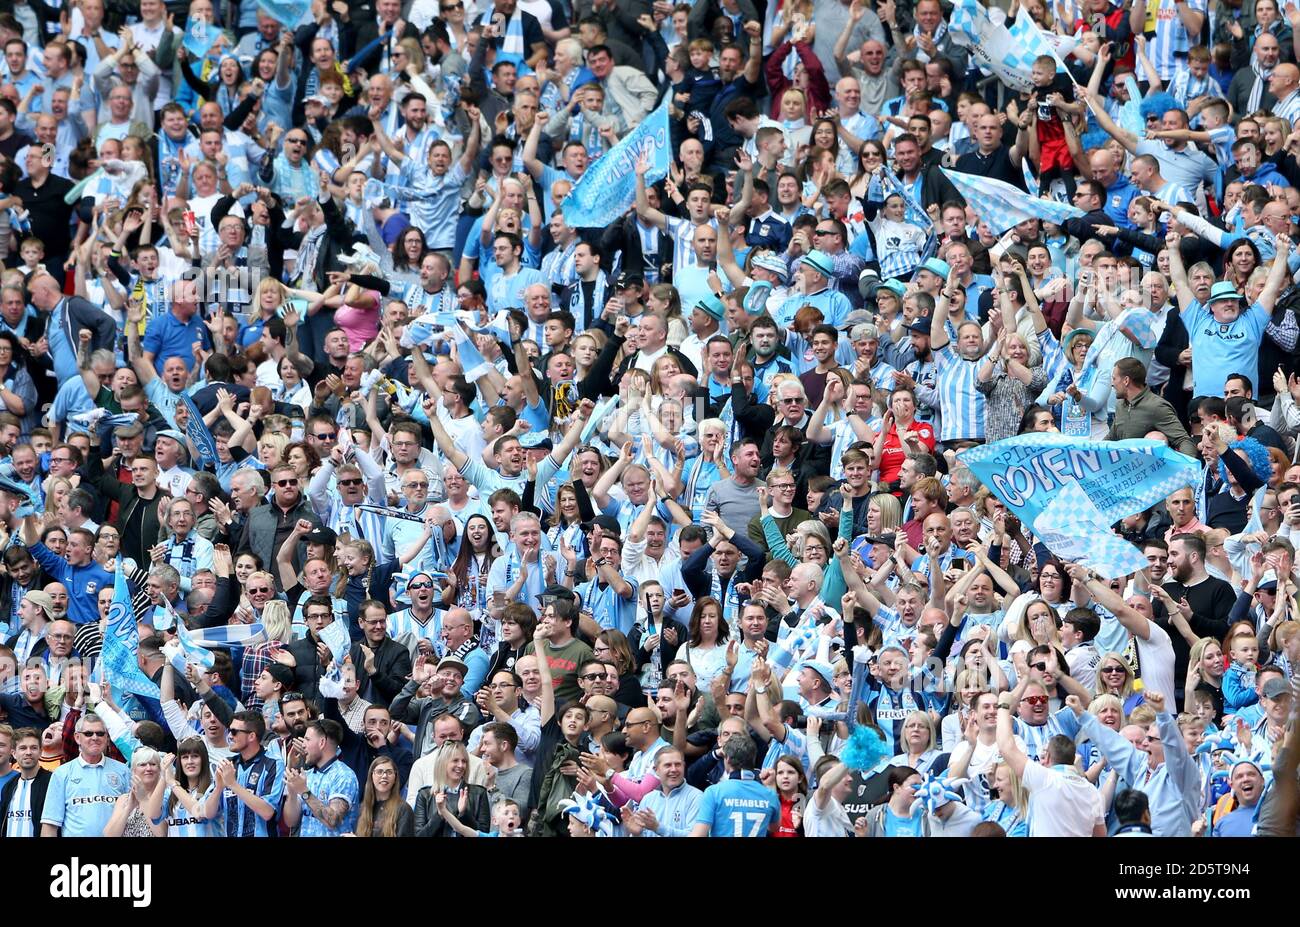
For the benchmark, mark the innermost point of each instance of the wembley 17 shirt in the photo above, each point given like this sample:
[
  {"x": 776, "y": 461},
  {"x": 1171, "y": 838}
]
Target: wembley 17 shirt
[{"x": 739, "y": 806}]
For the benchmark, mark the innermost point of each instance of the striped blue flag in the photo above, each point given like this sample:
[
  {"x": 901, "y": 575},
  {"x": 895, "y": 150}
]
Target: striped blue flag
[
  {"x": 990, "y": 44},
  {"x": 1003, "y": 206},
  {"x": 1130, "y": 114},
  {"x": 1030, "y": 43},
  {"x": 198, "y": 433},
  {"x": 118, "y": 664}
]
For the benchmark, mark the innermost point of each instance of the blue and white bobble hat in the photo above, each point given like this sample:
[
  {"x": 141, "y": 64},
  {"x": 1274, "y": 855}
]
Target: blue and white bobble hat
[{"x": 590, "y": 812}]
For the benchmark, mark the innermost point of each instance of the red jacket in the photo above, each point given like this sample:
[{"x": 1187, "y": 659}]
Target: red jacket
[{"x": 819, "y": 92}]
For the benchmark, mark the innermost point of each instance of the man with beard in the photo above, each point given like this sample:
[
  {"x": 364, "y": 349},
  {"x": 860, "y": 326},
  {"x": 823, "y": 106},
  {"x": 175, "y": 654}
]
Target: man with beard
[
  {"x": 1204, "y": 600},
  {"x": 321, "y": 799},
  {"x": 296, "y": 712}
]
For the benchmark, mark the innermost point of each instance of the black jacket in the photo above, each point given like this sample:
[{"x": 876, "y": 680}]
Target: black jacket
[
  {"x": 39, "y": 787},
  {"x": 429, "y": 823},
  {"x": 392, "y": 667}
]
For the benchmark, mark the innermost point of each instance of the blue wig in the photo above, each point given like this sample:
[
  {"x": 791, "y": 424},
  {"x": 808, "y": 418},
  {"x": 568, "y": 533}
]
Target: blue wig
[
  {"x": 1256, "y": 455},
  {"x": 1157, "y": 104}
]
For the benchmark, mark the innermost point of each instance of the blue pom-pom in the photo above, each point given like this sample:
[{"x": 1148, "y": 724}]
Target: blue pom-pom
[
  {"x": 865, "y": 750},
  {"x": 1157, "y": 104}
]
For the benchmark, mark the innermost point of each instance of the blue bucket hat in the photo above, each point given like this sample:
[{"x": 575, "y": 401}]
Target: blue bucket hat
[
  {"x": 1224, "y": 290},
  {"x": 821, "y": 262},
  {"x": 713, "y": 306},
  {"x": 937, "y": 267}
]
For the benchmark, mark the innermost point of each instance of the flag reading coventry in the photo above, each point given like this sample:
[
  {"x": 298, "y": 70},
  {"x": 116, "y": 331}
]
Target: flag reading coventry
[
  {"x": 1120, "y": 477},
  {"x": 608, "y": 188}
]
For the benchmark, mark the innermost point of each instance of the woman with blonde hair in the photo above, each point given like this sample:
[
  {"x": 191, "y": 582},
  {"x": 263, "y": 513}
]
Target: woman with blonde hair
[
  {"x": 884, "y": 514},
  {"x": 469, "y": 803},
  {"x": 383, "y": 813},
  {"x": 270, "y": 297},
  {"x": 270, "y": 449},
  {"x": 586, "y": 348},
  {"x": 1115, "y": 677},
  {"x": 56, "y": 493},
  {"x": 918, "y": 742},
  {"x": 1010, "y": 810}
]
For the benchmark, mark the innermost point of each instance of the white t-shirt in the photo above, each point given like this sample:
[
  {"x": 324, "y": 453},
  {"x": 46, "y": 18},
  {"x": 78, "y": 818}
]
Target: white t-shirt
[
  {"x": 1156, "y": 659},
  {"x": 1062, "y": 803},
  {"x": 831, "y": 821}
]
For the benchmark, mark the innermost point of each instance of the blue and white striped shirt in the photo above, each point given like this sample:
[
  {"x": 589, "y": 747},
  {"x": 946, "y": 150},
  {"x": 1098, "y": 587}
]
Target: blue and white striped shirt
[
  {"x": 961, "y": 404},
  {"x": 404, "y": 622},
  {"x": 1168, "y": 50}
]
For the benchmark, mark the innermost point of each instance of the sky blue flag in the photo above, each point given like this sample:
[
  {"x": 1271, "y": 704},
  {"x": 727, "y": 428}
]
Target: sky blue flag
[
  {"x": 1120, "y": 477},
  {"x": 990, "y": 44},
  {"x": 1130, "y": 114},
  {"x": 471, "y": 361},
  {"x": 117, "y": 662},
  {"x": 288, "y": 13},
  {"x": 608, "y": 188},
  {"x": 200, "y": 37},
  {"x": 198, "y": 433},
  {"x": 1003, "y": 206},
  {"x": 1075, "y": 531}
]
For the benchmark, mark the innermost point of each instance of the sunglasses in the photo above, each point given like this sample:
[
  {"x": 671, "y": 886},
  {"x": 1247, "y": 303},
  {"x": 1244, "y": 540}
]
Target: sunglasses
[
  {"x": 327, "y": 436},
  {"x": 420, "y": 585},
  {"x": 286, "y": 482},
  {"x": 353, "y": 482},
  {"x": 1041, "y": 667},
  {"x": 1035, "y": 699},
  {"x": 1114, "y": 669},
  {"x": 260, "y": 590}
]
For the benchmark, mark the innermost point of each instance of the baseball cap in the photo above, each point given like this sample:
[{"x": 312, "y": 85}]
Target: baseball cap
[
  {"x": 453, "y": 663},
  {"x": 1274, "y": 688},
  {"x": 316, "y": 98},
  {"x": 606, "y": 522},
  {"x": 43, "y": 599},
  {"x": 281, "y": 674},
  {"x": 321, "y": 535},
  {"x": 627, "y": 281},
  {"x": 1268, "y": 580},
  {"x": 921, "y": 325},
  {"x": 536, "y": 439},
  {"x": 822, "y": 669}
]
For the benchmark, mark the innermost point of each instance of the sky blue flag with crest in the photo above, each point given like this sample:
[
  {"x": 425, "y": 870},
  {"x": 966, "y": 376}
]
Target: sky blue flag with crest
[{"x": 608, "y": 188}]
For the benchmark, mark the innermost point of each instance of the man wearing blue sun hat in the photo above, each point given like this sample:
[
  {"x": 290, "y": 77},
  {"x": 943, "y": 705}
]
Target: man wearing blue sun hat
[{"x": 814, "y": 273}]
